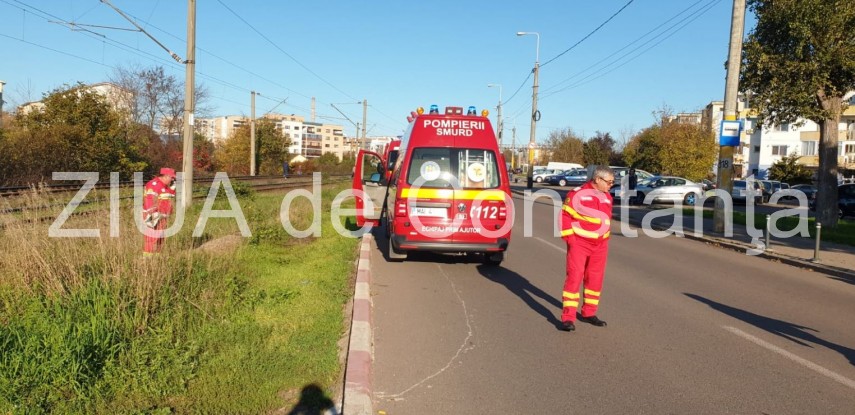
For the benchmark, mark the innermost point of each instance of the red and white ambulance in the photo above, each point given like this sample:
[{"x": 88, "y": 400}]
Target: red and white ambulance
[{"x": 449, "y": 191}]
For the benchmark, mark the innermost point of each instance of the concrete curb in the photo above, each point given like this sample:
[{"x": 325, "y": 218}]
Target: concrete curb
[
  {"x": 768, "y": 254},
  {"x": 357, "y": 375}
]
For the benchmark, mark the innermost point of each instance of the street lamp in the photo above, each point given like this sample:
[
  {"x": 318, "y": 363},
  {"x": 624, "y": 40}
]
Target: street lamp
[
  {"x": 499, "y": 125},
  {"x": 535, "y": 115}
]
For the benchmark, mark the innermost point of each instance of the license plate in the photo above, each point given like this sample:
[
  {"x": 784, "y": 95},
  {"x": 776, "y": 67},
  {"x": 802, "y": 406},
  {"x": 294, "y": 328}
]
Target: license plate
[{"x": 429, "y": 212}]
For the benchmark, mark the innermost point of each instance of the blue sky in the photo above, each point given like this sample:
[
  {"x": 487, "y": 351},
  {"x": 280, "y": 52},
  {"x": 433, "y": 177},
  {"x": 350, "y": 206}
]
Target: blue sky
[{"x": 396, "y": 55}]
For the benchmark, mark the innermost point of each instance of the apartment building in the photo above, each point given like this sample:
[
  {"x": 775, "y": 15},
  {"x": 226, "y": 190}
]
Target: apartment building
[
  {"x": 119, "y": 98},
  {"x": 761, "y": 146}
]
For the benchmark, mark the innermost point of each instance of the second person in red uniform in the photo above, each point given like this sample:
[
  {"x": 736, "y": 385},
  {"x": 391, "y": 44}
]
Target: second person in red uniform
[
  {"x": 585, "y": 221},
  {"x": 157, "y": 206}
]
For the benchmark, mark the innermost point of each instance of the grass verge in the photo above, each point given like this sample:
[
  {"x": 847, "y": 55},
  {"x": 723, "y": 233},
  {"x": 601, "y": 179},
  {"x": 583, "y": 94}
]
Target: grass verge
[
  {"x": 89, "y": 326},
  {"x": 843, "y": 234}
]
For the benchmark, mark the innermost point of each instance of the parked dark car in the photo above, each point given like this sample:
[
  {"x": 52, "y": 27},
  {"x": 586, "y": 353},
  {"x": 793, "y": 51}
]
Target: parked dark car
[
  {"x": 808, "y": 189},
  {"x": 845, "y": 200},
  {"x": 576, "y": 177},
  {"x": 743, "y": 189}
]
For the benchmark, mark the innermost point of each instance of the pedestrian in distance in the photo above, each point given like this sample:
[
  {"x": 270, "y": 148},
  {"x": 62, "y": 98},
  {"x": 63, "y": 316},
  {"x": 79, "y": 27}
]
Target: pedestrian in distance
[
  {"x": 633, "y": 183},
  {"x": 157, "y": 206},
  {"x": 585, "y": 221}
]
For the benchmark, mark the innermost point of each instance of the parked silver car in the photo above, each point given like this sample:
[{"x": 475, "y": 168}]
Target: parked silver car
[{"x": 669, "y": 189}]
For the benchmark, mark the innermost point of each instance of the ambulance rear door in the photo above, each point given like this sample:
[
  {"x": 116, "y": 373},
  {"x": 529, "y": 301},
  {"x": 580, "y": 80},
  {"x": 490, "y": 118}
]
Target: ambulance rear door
[
  {"x": 368, "y": 190},
  {"x": 424, "y": 207},
  {"x": 480, "y": 203}
]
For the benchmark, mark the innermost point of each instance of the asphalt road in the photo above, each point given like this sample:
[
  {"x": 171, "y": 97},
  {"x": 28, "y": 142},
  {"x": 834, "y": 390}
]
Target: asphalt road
[{"x": 692, "y": 329}]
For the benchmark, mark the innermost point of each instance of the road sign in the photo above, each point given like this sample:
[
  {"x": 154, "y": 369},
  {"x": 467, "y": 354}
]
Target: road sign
[{"x": 729, "y": 133}]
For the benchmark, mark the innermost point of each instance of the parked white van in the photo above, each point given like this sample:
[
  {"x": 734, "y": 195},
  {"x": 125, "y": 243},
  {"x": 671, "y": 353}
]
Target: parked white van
[{"x": 555, "y": 165}]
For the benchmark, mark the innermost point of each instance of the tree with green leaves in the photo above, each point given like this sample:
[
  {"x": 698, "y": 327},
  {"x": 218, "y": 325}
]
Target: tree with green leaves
[
  {"x": 233, "y": 155},
  {"x": 565, "y": 146},
  {"x": 674, "y": 148},
  {"x": 788, "y": 170},
  {"x": 799, "y": 62},
  {"x": 76, "y": 130},
  {"x": 599, "y": 149}
]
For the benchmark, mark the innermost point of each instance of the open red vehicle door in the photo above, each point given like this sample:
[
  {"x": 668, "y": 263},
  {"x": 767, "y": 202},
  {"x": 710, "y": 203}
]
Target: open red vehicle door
[{"x": 368, "y": 191}]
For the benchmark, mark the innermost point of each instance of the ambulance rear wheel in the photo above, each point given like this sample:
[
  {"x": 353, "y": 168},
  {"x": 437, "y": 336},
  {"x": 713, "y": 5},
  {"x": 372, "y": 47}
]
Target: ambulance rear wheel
[
  {"x": 395, "y": 256},
  {"x": 493, "y": 259}
]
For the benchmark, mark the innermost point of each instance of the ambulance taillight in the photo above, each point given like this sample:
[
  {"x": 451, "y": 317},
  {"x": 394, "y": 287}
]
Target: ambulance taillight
[{"x": 401, "y": 209}]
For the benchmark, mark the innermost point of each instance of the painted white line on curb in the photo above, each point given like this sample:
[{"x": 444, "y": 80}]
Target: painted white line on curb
[
  {"x": 360, "y": 336},
  {"x": 357, "y": 398},
  {"x": 804, "y": 362},
  {"x": 362, "y": 291}
]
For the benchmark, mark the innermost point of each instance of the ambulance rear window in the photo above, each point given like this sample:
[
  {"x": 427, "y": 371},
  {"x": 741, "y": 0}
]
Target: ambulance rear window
[{"x": 450, "y": 167}]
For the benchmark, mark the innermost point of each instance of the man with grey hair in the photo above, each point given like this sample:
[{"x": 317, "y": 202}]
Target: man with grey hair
[{"x": 585, "y": 222}]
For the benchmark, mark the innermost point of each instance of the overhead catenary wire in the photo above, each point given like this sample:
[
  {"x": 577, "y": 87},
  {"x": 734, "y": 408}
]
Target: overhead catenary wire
[
  {"x": 263, "y": 36},
  {"x": 116, "y": 44},
  {"x": 692, "y": 17},
  {"x": 640, "y": 38},
  {"x": 589, "y": 34},
  {"x": 108, "y": 41},
  {"x": 72, "y": 55},
  {"x": 224, "y": 60}
]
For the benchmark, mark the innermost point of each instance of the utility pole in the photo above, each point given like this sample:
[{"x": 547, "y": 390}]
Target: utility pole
[
  {"x": 364, "y": 117},
  {"x": 499, "y": 125},
  {"x": 535, "y": 114},
  {"x": 514, "y": 146},
  {"x": 731, "y": 90},
  {"x": 252, "y": 135},
  {"x": 189, "y": 103},
  {"x": 1, "y": 103}
]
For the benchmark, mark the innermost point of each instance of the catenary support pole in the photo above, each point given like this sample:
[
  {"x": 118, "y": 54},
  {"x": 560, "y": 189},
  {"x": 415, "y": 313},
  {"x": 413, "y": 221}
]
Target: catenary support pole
[
  {"x": 252, "y": 135},
  {"x": 189, "y": 103}
]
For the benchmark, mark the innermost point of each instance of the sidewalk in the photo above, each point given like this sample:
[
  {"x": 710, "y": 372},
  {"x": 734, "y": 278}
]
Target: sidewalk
[{"x": 834, "y": 259}]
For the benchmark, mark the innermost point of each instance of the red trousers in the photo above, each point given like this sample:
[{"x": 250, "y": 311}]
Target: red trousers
[
  {"x": 586, "y": 263},
  {"x": 154, "y": 238}
]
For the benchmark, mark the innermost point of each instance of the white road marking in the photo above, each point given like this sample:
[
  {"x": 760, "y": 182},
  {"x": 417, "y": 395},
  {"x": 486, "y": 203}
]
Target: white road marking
[
  {"x": 561, "y": 249},
  {"x": 804, "y": 362},
  {"x": 461, "y": 349}
]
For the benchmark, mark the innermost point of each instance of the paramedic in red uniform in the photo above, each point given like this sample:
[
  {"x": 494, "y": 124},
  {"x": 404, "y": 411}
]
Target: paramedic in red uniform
[
  {"x": 157, "y": 206},
  {"x": 585, "y": 223}
]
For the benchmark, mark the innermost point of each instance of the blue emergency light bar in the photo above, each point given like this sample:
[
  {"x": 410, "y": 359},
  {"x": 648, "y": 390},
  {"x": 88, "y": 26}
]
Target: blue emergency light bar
[
  {"x": 434, "y": 109},
  {"x": 471, "y": 110}
]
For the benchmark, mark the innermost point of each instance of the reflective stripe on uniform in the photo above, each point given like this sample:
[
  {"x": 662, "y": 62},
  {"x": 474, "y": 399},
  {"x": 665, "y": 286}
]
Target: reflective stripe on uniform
[
  {"x": 570, "y": 295},
  {"x": 584, "y": 233},
  {"x": 592, "y": 292},
  {"x": 571, "y": 303},
  {"x": 579, "y": 216},
  {"x": 452, "y": 194},
  {"x": 591, "y": 301}
]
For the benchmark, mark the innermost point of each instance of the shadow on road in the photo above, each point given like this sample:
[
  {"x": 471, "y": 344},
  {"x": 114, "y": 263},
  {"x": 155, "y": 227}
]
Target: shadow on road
[
  {"x": 382, "y": 240},
  {"x": 523, "y": 289},
  {"x": 793, "y": 332},
  {"x": 313, "y": 401}
]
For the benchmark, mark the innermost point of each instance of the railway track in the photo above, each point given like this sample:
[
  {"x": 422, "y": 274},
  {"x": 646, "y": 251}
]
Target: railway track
[
  {"x": 257, "y": 183},
  {"x": 13, "y": 191}
]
